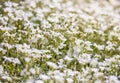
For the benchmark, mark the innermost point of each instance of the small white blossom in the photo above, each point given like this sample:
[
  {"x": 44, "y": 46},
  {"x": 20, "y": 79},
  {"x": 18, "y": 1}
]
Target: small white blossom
[
  {"x": 44, "y": 77},
  {"x": 30, "y": 81},
  {"x": 32, "y": 70},
  {"x": 68, "y": 58},
  {"x": 58, "y": 79},
  {"x": 94, "y": 62},
  {"x": 14, "y": 60},
  {"x": 98, "y": 74},
  {"x": 113, "y": 79},
  {"x": 7, "y": 78},
  {"x": 39, "y": 81},
  {"x": 53, "y": 65},
  {"x": 69, "y": 80},
  {"x": 78, "y": 41},
  {"x": 1, "y": 69},
  {"x": 98, "y": 81},
  {"x": 27, "y": 59}
]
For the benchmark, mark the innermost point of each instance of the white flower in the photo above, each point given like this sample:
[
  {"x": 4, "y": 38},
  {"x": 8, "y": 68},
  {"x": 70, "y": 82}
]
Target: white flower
[
  {"x": 32, "y": 70},
  {"x": 69, "y": 80},
  {"x": 1, "y": 69},
  {"x": 118, "y": 48},
  {"x": 27, "y": 59},
  {"x": 98, "y": 81},
  {"x": 78, "y": 41},
  {"x": 114, "y": 79},
  {"x": 84, "y": 58},
  {"x": 68, "y": 58},
  {"x": 14, "y": 60},
  {"x": 9, "y": 4},
  {"x": 47, "y": 56},
  {"x": 7, "y": 45},
  {"x": 95, "y": 70},
  {"x": 39, "y": 81},
  {"x": 33, "y": 4},
  {"x": 62, "y": 45},
  {"x": 58, "y": 79},
  {"x": 44, "y": 77},
  {"x": 69, "y": 72},
  {"x": 88, "y": 30},
  {"x": 100, "y": 47},
  {"x": 53, "y": 65},
  {"x": 1, "y": 49},
  {"x": 30, "y": 81},
  {"x": 94, "y": 62},
  {"x": 23, "y": 72},
  {"x": 98, "y": 74},
  {"x": 7, "y": 78},
  {"x": 51, "y": 81}
]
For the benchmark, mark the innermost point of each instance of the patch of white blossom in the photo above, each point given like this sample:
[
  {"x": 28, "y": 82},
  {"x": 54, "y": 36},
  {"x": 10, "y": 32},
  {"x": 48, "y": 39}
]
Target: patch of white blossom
[{"x": 60, "y": 41}]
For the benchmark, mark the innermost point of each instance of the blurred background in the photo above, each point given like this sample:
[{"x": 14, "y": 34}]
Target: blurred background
[{"x": 2, "y": 1}]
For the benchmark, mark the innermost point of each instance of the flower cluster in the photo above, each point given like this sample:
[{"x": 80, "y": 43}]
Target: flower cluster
[{"x": 60, "y": 41}]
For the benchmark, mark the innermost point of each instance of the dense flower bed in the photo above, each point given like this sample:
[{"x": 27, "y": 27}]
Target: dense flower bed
[{"x": 60, "y": 41}]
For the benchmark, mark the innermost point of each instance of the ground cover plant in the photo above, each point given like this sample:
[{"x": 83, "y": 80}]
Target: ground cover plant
[{"x": 60, "y": 41}]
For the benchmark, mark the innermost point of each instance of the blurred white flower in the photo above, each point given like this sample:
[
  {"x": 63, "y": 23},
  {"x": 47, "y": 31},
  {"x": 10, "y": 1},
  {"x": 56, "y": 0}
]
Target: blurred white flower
[
  {"x": 53, "y": 65},
  {"x": 14, "y": 60},
  {"x": 39, "y": 81},
  {"x": 32, "y": 70},
  {"x": 6, "y": 78},
  {"x": 29, "y": 81},
  {"x": 44, "y": 77},
  {"x": 68, "y": 58},
  {"x": 23, "y": 72},
  {"x": 114, "y": 79},
  {"x": 69, "y": 80},
  {"x": 94, "y": 62},
  {"x": 27, "y": 59},
  {"x": 78, "y": 41},
  {"x": 1, "y": 69},
  {"x": 98, "y": 81},
  {"x": 98, "y": 75},
  {"x": 58, "y": 79}
]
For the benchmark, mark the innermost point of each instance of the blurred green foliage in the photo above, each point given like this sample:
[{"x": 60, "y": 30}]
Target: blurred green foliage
[{"x": 2, "y": 1}]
